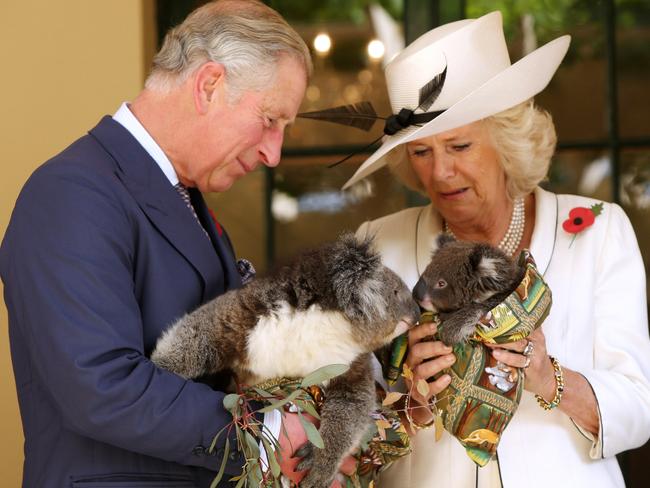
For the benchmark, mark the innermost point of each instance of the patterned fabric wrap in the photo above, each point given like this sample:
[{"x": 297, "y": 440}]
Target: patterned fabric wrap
[
  {"x": 385, "y": 441},
  {"x": 484, "y": 395}
]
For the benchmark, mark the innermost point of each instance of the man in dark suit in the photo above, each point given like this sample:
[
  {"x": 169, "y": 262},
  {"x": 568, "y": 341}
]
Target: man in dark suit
[{"x": 110, "y": 241}]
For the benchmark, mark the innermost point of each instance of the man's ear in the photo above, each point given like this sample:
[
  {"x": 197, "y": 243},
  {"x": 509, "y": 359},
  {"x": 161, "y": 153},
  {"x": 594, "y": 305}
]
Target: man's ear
[{"x": 209, "y": 85}]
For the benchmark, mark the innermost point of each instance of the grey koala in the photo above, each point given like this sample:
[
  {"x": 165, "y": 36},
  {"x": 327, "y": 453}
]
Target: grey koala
[
  {"x": 331, "y": 305},
  {"x": 463, "y": 281}
]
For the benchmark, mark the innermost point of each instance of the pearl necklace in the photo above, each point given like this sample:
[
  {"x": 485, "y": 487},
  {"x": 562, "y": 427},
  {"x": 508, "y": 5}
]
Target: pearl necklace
[{"x": 512, "y": 238}]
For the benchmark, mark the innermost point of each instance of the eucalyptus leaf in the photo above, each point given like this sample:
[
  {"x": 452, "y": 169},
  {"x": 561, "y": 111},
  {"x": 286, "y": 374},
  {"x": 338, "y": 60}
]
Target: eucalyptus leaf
[
  {"x": 252, "y": 445},
  {"x": 392, "y": 397},
  {"x": 240, "y": 482},
  {"x": 216, "y": 438},
  {"x": 423, "y": 387},
  {"x": 323, "y": 374},
  {"x": 406, "y": 372},
  {"x": 312, "y": 432},
  {"x": 274, "y": 405},
  {"x": 440, "y": 428},
  {"x": 308, "y": 407},
  {"x": 269, "y": 436},
  {"x": 230, "y": 401},
  {"x": 226, "y": 451},
  {"x": 263, "y": 393},
  {"x": 255, "y": 474},
  {"x": 270, "y": 455}
]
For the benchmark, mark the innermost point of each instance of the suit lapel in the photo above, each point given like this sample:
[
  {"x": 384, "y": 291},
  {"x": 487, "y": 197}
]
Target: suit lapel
[
  {"x": 219, "y": 241},
  {"x": 161, "y": 203}
]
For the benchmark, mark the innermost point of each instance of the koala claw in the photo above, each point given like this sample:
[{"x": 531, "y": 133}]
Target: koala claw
[
  {"x": 306, "y": 452},
  {"x": 458, "y": 327},
  {"x": 450, "y": 336},
  {"x": 319, "y": 474},
  {"x": 316, "y": 480}
]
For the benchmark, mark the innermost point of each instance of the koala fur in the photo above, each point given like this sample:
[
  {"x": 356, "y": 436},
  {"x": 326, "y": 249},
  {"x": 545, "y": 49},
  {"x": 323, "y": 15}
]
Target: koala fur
[
  {"x": 334, "y": 304},
  {"x": 463, "y": 281}
]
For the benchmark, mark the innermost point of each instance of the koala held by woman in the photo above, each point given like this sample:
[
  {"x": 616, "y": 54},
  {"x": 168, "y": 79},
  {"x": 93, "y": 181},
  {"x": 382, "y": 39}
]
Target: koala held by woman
[{"x": 462, "y": 282}]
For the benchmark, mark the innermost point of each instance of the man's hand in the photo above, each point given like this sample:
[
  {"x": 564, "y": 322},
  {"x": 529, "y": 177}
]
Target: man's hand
[{"x": 292, "y": 437}]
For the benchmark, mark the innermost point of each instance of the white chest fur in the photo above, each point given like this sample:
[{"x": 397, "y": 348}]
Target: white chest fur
[{"x": 294, "y": 343}]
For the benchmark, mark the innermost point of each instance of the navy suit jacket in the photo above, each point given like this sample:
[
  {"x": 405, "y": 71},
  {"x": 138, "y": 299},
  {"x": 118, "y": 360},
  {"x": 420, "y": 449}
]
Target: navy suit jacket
[{"x": 100, "y": 256}]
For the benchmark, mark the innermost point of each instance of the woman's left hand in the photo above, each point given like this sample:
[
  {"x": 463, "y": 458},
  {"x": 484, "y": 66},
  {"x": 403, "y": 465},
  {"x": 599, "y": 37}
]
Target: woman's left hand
[{"x": 540, "y": 376}]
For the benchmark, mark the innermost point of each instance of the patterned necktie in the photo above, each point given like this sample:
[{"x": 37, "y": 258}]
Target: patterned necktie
[{"x": 185, "y": 195}]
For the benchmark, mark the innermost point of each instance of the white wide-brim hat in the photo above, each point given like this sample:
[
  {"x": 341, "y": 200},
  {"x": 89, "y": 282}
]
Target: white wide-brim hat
[{"x": 479, "y": 80}]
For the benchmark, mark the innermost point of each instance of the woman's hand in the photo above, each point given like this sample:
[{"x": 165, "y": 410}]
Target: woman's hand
[
  {"x": 578, "y": 399},
  {"x": 540, "y": 377},
  {"x": 426, "y": 358}
]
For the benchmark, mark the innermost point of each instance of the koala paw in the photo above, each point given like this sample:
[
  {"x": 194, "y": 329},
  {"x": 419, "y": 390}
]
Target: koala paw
[
  {"x": 320, "y": 474},
  {"x": 306, "y": 453},
  {"x": 457, "y": 328},
  {"x": 316, "y": 480},
  {"x": 451, "y": 336}
]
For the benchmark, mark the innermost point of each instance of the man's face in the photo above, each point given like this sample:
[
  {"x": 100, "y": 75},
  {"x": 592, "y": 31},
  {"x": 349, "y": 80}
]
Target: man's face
[{"x": 241, "y": 135}]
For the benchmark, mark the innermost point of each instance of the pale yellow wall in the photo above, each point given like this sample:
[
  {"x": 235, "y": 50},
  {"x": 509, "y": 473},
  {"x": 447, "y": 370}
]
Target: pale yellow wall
[{"x": 62, "y": 66}]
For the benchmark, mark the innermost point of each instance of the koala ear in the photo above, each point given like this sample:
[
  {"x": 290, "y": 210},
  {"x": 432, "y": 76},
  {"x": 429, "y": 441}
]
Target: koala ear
[
  {"x": 490, "y": 266},
  {"x": 351, "y": 265},
  {"x": 444, "y": 239},
  {"x": 476, "y": 258}
]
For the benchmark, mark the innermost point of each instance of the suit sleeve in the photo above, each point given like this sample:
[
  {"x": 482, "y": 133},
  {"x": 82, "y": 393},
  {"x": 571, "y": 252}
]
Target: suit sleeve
[
  {"x": 68, "y": 269},
  {"x": 621, "y": 375}
]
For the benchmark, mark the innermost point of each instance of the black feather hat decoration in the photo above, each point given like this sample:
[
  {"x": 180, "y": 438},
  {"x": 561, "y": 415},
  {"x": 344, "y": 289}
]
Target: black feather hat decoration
[
  {"x": 430, "y": 92},
  {"x": 362, "y": 115}
]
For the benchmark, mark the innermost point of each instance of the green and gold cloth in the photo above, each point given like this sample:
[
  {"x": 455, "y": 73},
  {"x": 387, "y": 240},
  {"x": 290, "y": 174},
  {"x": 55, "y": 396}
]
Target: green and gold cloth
[{"x": 483, "y": 394}]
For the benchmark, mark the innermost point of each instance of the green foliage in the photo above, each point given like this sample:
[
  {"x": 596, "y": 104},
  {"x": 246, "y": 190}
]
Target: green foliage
[
  {"x": 324, "y": 374},
  {"x": 281, "y": 402},
  {"x": 552, "y": 17},
  {"x": 312, "y": 432},
  {"x": 249, "y": 431},
  {"x": 314, "y": 11},
  {"x": 226, "y": 452}
]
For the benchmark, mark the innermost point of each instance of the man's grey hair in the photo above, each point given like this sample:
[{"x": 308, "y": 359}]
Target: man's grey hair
[
  {"x": 524, "y": 138},
  {"x": 245, "y": 36}
]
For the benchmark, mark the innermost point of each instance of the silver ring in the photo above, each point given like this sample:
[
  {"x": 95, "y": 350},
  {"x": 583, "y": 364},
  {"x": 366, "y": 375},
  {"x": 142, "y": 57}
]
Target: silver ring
[
  {"x": 528, "y": 350},
  {"x": 527, "y": 363}
]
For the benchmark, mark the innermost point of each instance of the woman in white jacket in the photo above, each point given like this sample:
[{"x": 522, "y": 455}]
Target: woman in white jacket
[{"x": 466, "y": 133}]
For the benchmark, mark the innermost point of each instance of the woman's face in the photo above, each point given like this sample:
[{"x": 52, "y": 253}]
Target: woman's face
[{"x": 461, "y": 173}]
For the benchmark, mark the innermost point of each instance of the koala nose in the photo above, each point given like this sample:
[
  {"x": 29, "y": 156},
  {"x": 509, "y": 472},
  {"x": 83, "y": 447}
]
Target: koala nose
[
  {"x": 416, "y": 312},
  {"x": 420, "y": 290},
  {"x": 422, "y": 296}
]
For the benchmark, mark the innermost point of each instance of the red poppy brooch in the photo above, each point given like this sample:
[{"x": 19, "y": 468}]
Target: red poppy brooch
[{"x": 580, "y": 218}]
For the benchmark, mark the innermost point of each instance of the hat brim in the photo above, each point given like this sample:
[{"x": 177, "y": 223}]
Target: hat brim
[{"x": 515, "y": 84}]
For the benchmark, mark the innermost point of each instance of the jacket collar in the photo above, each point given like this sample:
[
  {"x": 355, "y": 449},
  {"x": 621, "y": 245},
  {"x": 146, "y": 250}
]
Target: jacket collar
[
  {"x": 165, "y": 209},
  {"x": 546, "y": 217},
  {"x": 428, "y": 226}
]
